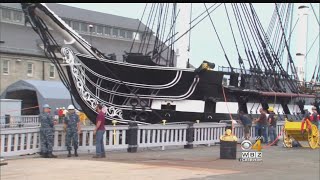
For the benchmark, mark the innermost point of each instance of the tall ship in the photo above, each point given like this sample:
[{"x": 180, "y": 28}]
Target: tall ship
[{"x": 149, "y": 86}]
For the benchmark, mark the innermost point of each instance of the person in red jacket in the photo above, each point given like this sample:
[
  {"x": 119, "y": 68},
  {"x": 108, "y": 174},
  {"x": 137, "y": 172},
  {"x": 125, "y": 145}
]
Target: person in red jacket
[
  {"x": 315, "y": 118},
  {"x": 60, "y": 114}
]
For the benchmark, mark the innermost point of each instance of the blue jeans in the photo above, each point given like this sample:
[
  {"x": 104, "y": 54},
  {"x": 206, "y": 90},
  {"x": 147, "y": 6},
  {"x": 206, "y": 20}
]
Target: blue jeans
[
  {"x": 272, "y": 133},
  {"x": 99, "y": 143},
  {"x": 264, "y": 130}
]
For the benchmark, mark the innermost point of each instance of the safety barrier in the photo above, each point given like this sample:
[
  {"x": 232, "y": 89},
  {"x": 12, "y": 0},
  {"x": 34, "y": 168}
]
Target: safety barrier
[
  {"x": 19, "y": 121},
  {"x": 19, "y": 141},
  {"x": 114, "y": 138},
  {"x": 22, "y": 141},
  {"x": 162, "y": 135},
  {"x": 208, "y": 133},
  {"x": 238, "y": 131}
]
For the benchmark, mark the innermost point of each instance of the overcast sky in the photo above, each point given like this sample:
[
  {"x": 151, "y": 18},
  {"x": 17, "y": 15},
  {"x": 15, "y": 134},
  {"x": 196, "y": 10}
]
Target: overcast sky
[{"x": 204, "y": 42}]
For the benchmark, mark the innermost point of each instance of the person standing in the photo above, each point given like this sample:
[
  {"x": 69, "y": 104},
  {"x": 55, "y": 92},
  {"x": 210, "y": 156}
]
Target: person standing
[
  {"x": 46, "y": 132},
  {"x": 60, "y": 114},
  {"x": 72, "y": 126},
  {"x": 64, "y": 112},
  {"x": 314, "y": 117},
  {"x": 262, "y": 124},
  {"x": 99, "y": 132},
  {"x": 272, "y": 119},
  {"x": 56, "y": 114},
  {"x": 304, "y": 121},
  {"x": 247, "y": 123}
]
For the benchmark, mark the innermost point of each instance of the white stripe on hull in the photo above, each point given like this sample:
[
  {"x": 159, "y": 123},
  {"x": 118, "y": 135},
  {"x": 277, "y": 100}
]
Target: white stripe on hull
[{"x": 196, "y": 106}]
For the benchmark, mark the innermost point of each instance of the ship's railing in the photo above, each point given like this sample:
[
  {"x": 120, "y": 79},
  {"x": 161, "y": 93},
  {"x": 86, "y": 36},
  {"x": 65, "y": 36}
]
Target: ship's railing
[
  {"x": 228, "y": 69},
  {"x": 309, "y": 87},
  {"x": 19, "y": 121},
  {"x": 23, "y": 141}
]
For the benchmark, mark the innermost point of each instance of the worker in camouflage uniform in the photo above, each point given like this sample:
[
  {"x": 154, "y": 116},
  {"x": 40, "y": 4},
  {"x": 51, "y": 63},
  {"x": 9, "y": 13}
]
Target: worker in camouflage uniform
[
  {"x": 72, "y": 126},
  {"x": 46, "y": 132}
]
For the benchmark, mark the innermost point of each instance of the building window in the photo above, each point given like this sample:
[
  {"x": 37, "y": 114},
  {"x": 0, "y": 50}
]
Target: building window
[
  {"x": 30, "y": 69},
  {"x": 99, "y": 29},
  {"x": 52, "y": 71},
  {"x": 67, "y": 22},
  {"x": 76, "y": 25},
  {"x": 122, "y": 33},
  {"x": 6, "y": 14},
  {"x": 129, "y": 34},
  {"x": 84, "y": 27},
  {"x": 107, "y": 31},
  {"x": 136, "y": 36},
  {"x": 115, "y": 32},
  {"x": 17, "y": 16},
  {"x": 5, "y": 66}
]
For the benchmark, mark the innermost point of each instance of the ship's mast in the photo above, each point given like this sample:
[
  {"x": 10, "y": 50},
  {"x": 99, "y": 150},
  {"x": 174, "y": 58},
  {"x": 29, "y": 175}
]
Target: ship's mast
[
  {"x": 302, "y": 40},
  {"x": 183, "y": 25}
]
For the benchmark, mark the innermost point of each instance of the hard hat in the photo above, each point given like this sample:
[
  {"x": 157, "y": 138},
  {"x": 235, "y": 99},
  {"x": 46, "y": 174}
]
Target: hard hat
[
  {"x": 63, "y": 108},
  {"x": 71, "y": 107},
  {"x": 46, "y": 106},
  {"x": 270, "y": 109}
]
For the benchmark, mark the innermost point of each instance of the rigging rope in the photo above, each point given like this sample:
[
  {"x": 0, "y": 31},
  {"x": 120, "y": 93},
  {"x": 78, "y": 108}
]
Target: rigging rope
[
  {"x": 188, "y": 30},
  {"x": 243, "y": 41},
  {"x": 284, "y": 74},
  {"x": 142, "y": 41},
  {"x": 135, "y": 36},
  {"x": 218, "y": 38},
  {"x": 295, "y": 72},
  {"x": 315, "y": 14},
  {"x": 240, "y": 61},
  {"x": 312, "y": 45}
]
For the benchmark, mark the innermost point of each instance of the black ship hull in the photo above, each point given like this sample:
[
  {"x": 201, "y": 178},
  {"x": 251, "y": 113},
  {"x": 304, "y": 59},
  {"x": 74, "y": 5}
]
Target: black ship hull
[{"x": 150, "y": 94}]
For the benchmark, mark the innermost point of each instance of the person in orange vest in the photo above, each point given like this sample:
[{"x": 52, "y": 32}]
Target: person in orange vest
[{"x": 304, "y": 121}]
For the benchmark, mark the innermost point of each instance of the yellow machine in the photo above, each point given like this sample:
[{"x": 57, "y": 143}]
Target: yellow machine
[
  {"x": 83, "y": 117},
  {"x": 292, "y": 131}
]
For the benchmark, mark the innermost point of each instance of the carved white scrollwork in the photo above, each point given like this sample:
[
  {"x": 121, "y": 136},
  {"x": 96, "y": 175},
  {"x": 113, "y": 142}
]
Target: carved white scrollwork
[
  {"x": 114, "y": 112},
  {"x": 79, "y": 81},
  {"x": 67, "y": 55}
]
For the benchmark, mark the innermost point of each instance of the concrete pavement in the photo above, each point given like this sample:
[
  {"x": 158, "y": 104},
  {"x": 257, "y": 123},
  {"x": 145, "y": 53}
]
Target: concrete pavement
[{"x": 198, "y": 163}]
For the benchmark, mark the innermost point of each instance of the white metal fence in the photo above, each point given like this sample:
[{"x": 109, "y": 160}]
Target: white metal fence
[
  {"x": 21, "y": 141},
  {"x": 162, "y": 135},
  {"x": 19, "y": 121},
  {"x": 208, "y": 133}
]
